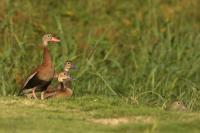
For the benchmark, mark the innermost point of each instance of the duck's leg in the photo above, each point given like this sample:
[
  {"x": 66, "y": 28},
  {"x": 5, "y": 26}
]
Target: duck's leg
[
  {"x": 29, "y": 96},
  {"x": 42, "y": 95},
  {"x": 33, "y": 94},
  {"x": 49, "y": 94}
]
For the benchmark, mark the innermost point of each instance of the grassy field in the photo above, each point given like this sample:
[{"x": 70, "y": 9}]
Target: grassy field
[
  {"x": 97, "y": 114},
  {"x": 144, "y": 51}
]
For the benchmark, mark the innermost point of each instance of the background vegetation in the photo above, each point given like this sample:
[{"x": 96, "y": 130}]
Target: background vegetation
[{"x": 144, "y": 50}]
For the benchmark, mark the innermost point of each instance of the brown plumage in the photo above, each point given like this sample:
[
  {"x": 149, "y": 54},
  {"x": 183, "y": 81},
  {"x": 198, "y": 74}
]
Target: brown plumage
[
  {"x": 63, "y": 89},
  {"x": 67, "y": 67},
  {"x": 42, "y": 76}
]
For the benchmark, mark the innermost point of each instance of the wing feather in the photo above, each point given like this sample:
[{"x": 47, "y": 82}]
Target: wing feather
[{"x": 29, "y": 78}]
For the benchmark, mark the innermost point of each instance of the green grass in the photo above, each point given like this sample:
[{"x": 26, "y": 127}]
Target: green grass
[
  {"x": 78, "y": 115},
  {"x": 145, "y": 52}
]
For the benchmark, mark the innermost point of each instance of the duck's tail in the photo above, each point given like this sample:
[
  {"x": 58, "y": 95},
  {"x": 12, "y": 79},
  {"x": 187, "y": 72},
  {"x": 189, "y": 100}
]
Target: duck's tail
[{"x": 23, "y": 92}]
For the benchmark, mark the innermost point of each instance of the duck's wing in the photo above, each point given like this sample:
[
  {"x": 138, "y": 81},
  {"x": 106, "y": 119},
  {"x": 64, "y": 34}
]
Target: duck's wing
[
  {"x": 29, "y": 79},
  {"x": 28, "y": 83}
]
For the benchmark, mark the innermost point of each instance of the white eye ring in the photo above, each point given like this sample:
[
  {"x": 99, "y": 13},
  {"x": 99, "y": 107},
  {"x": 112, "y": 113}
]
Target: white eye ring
[{"x": 49, "y": 36}]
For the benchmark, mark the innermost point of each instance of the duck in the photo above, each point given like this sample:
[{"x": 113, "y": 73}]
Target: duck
[
  {"x": 41, "y": 77},
  {"x": 62, "y": 89},
  {"x": 68, "y": 65},
  {"x": 176, "y": 106}
]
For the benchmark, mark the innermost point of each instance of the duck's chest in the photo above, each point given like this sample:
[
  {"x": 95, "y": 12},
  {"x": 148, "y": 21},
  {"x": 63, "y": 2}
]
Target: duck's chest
[{"x": 46, "y": 73}]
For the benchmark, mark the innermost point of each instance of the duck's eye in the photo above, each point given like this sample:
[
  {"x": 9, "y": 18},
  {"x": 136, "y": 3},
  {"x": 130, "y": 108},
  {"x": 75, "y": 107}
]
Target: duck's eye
[
  {"x": 49, "y": 36},
  {"x": 68, "y": 63}
]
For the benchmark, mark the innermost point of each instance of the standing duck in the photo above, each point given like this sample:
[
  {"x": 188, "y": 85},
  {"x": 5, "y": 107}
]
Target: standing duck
[
  {"x": 42, "y": 76},
  {"x": 62, "y": 89}
]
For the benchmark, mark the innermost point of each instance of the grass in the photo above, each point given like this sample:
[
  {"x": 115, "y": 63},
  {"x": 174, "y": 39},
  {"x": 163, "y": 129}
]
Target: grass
[
  {"x": 86, "y": 114},
  {"x": 146, "y": 52}
]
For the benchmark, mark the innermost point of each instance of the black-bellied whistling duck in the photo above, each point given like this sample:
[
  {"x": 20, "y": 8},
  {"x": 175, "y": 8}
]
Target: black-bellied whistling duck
[
  {"x": 176, "y": 106},
  {"x": 62, "y": 89},
  {"x": 42, "y": 76},
  {"x": 67, "y": 67},
  {"x": 68, "y": 83}
]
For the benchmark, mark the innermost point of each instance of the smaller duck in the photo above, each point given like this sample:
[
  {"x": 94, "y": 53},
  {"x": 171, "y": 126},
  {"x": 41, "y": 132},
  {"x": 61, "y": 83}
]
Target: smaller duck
[
  {"x": 67, "y": 67},
  {"x": 62, "y": 89},
  {"x": 176, "y": 106}
]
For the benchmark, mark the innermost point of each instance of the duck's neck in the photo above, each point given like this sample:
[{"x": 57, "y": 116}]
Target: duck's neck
[
  {"x": 62, "y": 85},
  {"x": 67, "y": 84},
  {"x": 66, "y": 71},
  {"x": 46, "y": 57}
]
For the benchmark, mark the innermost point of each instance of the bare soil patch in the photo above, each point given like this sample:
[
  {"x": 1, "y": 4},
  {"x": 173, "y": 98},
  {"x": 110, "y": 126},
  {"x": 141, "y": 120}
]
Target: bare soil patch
[{"x": 124, "y": 120}]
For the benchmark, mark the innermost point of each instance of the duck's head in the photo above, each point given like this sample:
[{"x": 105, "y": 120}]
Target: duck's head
[
  {"x": 177, "y": 106},
  {"x": 69, "y": 65},
  {"x": 63, "y": 76},
  {"x": 49, "y": 38}
]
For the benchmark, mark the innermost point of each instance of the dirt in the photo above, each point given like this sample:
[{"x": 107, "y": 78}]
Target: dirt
[{"x": 124, "y": 120}]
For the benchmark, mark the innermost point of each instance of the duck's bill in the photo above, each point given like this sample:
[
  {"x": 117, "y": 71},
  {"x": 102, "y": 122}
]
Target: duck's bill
[
  {"x": 70, "y": 78},
  {"x": 74, "y": 67},
  {"x": 54, "y": 39}
]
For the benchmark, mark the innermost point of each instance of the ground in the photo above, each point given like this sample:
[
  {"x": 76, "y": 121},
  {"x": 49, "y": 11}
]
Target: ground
[
  {"x": 133, "y": 56},
  {"x": 91, "y": 114}
]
